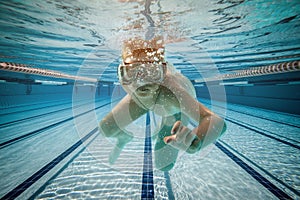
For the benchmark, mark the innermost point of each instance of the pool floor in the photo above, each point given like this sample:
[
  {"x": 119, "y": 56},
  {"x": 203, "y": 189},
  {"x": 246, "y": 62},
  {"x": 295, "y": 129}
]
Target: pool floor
[{"x": 53, "y": 150}]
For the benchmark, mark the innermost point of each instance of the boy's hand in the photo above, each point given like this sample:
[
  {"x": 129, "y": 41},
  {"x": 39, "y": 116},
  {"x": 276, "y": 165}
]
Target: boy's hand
[
  {"x": 122, "y": 139},
  {"x": 181, "y": 138}
]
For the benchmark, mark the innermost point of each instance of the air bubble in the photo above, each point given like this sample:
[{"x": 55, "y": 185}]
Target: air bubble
[
  {"x": 159, "y": 42},
  {"x": 128, "y": 60},
  {"x": 160, "y": 50}
]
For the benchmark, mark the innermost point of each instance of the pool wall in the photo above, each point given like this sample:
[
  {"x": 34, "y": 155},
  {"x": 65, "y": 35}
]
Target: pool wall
[{"x": 279, "y": 92}]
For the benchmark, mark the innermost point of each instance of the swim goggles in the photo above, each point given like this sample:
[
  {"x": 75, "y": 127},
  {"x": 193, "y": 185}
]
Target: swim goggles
[{"x": 142, "y": 72}]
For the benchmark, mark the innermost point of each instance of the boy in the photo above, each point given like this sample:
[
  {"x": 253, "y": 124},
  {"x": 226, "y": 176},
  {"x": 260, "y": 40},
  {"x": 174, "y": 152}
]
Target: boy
[{"x": 153, "y": 84}]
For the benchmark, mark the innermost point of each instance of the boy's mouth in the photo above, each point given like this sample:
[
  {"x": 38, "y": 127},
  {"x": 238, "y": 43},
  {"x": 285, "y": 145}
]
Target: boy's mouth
[{"x": 146, "y": 89}]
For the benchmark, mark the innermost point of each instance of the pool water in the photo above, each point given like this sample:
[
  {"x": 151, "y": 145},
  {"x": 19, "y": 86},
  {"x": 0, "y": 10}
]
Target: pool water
[
  {"x": 254, "y": 158},
  {"x": 241, "y": 56}
]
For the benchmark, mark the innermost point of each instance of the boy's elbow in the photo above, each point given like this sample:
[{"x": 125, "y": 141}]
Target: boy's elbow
[
  {"x": 108, "y": 128},
  {"x": 224, "y": 128},
  {"x": 104, "y": 128},
  {"x": 219, "y": 125}
]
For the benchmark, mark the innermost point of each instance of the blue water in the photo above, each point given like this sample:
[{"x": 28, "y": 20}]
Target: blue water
[{"x": 50, "y": 147}]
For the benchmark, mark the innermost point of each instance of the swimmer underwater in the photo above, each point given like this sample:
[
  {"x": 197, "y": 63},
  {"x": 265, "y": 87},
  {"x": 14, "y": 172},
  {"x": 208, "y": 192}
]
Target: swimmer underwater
[{"x": 152, "y": 84}]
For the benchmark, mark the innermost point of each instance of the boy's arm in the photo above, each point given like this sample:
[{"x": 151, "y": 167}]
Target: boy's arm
[
  {"x": 125, "y": 112},
  {"x": 209, "y": 129},
  {"x": 113, "y": 124}
]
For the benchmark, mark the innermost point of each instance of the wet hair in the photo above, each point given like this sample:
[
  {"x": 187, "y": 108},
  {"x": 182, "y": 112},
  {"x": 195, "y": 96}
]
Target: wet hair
[{"x": 140, "y": 50}]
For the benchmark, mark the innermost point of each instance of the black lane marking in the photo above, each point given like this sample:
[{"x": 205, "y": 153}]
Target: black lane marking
[
  {"x": 169, "y": 186},
  {"x": 39, "y": 174},
  {"x": 31, "y": 109},
  {"x": 231, "y": 149},
  {"x": 40, "y": 115},
  {"x": 262, "y": 180},
  {"x": 22, "y": 137},
  {"x": 273, "y": 120},
  {"x": 147, "y": 181},
  {"x": 264, "y": 134}
]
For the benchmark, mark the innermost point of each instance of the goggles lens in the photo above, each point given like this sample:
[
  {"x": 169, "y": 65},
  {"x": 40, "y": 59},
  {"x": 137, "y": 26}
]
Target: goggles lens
[{"x": 142, "y": 72}]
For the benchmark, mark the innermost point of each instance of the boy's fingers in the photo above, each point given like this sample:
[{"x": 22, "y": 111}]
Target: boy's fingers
[
  {"x": 182, "y": 133},
  {"x": 169, "y": 139},
  {"x": 176, "y": 127}
]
